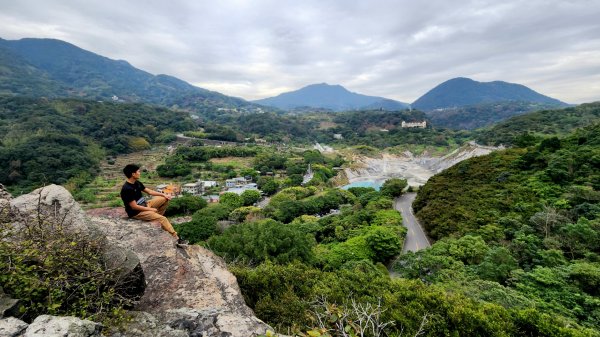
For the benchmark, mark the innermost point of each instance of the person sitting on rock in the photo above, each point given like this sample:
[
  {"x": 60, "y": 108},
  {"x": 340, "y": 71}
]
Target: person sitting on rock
[{"x": 138, "y": 207}]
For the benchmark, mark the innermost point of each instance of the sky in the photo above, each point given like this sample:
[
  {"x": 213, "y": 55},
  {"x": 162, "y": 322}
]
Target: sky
[{"x": 395, "y": 49}]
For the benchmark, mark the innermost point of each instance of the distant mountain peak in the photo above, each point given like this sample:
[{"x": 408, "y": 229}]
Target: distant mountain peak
[
  {"x": 462, "y": 91},
  {"x": 329, "y": 96}
]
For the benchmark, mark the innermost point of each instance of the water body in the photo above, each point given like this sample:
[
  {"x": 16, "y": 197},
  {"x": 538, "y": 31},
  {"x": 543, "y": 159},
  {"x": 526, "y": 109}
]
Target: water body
[{"x": 376, "y": 184}]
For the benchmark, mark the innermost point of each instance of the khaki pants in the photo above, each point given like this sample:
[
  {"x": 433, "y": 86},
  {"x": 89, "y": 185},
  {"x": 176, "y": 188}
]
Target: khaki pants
[{"x": 160, "y": 203}]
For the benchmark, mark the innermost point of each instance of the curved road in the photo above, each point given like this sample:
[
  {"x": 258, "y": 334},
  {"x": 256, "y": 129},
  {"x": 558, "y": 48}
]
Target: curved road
[{"x": 415, "y": 237}]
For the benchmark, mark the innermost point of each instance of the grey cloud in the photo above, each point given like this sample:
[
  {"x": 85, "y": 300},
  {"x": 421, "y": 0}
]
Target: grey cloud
[{"x": 393, "y": 48}]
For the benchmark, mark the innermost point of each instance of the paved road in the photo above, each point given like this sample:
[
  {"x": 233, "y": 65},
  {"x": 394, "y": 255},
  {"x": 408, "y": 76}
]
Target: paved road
[{"x": 415, "y": 237}]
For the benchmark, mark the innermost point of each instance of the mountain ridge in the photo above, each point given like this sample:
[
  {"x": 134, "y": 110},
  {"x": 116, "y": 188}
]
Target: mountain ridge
[
  {"x": 70, "y": 71},
  {"x": 462, "y": 91},
  {"x": 334, "y": 97}
]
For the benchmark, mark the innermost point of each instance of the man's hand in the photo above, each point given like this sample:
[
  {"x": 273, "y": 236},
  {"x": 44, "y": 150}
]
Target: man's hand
[{"x": 153, "y": 209}]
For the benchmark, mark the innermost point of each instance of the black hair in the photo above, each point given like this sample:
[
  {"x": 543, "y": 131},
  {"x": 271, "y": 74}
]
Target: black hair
[{"x": 130, "y": 169}]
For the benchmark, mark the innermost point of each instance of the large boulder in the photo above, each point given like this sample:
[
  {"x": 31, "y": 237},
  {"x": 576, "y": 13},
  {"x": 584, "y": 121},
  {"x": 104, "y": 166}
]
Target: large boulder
[{"x": 187, "y": 284}]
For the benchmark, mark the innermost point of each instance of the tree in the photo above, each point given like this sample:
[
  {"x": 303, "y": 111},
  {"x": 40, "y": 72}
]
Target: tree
[
  {"x": 185, "y": 204},
  {"x": 261, "y": 241},
  {"x": 199, "y": 229},
  {"x": 268, "y": 185},
  {"x": 394, "y": 187},
  {"x": 249, "y": 197},
  {"x": 231, "y": 200}
]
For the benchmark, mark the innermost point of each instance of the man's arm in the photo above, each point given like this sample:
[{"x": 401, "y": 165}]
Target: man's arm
[
  {"x": 141, "y": 208},
  {"x": 157, "y": 194}
]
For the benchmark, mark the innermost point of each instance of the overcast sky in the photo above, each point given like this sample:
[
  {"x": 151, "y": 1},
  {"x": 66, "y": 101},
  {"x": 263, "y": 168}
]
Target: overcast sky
[{"x": 395, "y": 49}]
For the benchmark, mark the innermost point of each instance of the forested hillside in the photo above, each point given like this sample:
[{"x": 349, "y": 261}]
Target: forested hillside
[
  {"x": 50, "y": 141},
  {"x": 529, "y": 128},
  {"x": 481, "y": 115},
  {"x": 54, "y": 68},
  {"x": 520, "y": 227}
]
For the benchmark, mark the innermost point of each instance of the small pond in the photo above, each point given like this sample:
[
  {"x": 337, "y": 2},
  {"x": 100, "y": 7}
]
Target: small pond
[{"x": 376, "y": 184}]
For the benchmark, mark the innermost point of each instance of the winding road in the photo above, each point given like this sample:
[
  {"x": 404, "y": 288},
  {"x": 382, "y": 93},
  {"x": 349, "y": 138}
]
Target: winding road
[{"x": 415, "y": 237}]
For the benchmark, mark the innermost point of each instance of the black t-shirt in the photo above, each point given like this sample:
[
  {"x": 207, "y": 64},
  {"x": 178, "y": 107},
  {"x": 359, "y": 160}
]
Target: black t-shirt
[{"x": 131, "y": 192}]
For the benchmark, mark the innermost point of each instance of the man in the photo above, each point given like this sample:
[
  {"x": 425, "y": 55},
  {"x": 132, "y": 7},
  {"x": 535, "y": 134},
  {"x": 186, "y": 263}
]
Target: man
[{"x": 136, "y": 205}]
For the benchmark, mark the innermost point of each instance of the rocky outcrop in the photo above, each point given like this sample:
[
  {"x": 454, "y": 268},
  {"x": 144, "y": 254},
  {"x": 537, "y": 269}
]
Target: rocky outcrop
[
  {"x": 188, "y": 290},
  {"x": 187, "y": 284}
]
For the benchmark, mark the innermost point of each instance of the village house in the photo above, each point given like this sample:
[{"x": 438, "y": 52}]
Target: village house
[
  {"x": 235, "y": 182},
  {"x": 193, "y": 188},
  {"x": 242, "y": 189},
  {"x": 169, "y": 189}
]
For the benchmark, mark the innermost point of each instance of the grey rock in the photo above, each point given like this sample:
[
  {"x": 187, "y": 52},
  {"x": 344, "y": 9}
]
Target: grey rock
[
  {"x": 4, "y": 193},
  {"x": 12, "y": 327},
  {"x": 53, "y": 326},
  {"x": 8, "y": 306},
  {"x": 187, "y": 287}
]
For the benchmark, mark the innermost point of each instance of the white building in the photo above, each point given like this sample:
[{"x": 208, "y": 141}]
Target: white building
[
  {"x": 235, "y": 182},
  {"x": 242, "y": 189},
  {"x": 422, "y": 124},
  {"x": 193, "y": 188}
]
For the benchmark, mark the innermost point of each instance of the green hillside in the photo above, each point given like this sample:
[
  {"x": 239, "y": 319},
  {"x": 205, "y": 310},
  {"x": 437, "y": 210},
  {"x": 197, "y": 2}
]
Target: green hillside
[
  {"x": 51, "y": 141},
  {"x": 525, "y": 129},
  {"x": 519, "y": 227},
  {"x": 54, "y": 68}
]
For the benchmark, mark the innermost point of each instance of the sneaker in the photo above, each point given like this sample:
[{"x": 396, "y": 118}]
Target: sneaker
[{"x": 181, "y": 241}]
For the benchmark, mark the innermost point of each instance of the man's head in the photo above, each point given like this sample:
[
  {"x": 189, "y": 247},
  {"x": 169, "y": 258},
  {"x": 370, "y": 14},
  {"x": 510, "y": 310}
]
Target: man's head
[{"x": 130, "y": 169}]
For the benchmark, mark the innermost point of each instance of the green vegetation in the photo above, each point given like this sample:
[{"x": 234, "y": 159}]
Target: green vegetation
[
  {"x": 58, "y": 271},
  {"x": 520, "y": 228},
  {"x": 539, "y": 125},
  {"x": 45, "y": 142}
]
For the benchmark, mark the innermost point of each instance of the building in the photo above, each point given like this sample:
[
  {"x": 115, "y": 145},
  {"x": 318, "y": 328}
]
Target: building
[
  {"x": 338, "y": 136},
  {"x": 422, "y": 124},
  {"x": 168, "y": 189},
  {"x": 209, "y": 183},
  {"x": 242, "y": 189},
  {"x": 235, "y": 182},
  {"x": 193, "y": 188}
]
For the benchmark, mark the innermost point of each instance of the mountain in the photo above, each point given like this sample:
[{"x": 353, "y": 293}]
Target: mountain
[
  {"x": 462, "y": 91},
  {"x": 54, "y": 68},
  {"x": 334, "y": 97}
]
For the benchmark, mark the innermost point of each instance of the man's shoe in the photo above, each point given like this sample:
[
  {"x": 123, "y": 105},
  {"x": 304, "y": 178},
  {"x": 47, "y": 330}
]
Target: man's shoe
[{"x": 181, "y": 241}]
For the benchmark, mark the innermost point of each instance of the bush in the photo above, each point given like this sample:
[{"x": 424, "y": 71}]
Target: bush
[{"x": 57, "y": 271}]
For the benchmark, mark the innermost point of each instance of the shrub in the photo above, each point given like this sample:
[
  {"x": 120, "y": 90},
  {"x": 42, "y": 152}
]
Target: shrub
[{"x": 57, "y": 271}]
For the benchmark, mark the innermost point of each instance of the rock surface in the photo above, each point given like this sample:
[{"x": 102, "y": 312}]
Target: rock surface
[
  {"x": 12, "y": 327},
  {"x": 53, "y": 326},
  {"x": 415, "y": 169},
  {"x": 188, "y": 280}
]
